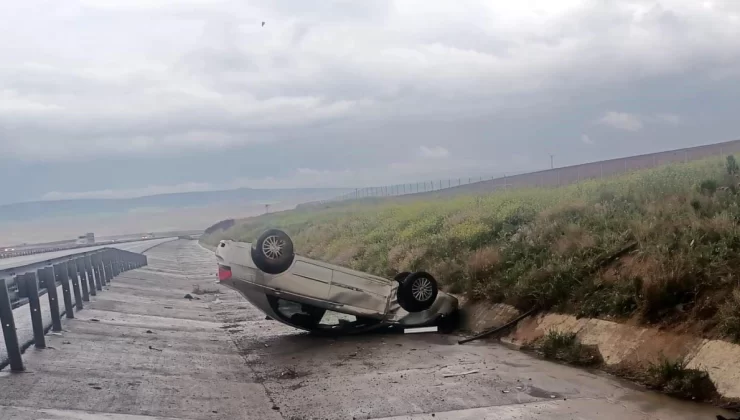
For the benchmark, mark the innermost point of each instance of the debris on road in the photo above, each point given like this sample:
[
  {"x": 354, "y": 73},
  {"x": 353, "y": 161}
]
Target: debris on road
[
  {"x": 154, "y": 348},
  {"x": 94, "y": 320},
  {"x": 450, "y": 375},
  {"x": 188, "y": 296},
  {"x": 149, "y": 332},
  {"x": 420, "y": 330}
]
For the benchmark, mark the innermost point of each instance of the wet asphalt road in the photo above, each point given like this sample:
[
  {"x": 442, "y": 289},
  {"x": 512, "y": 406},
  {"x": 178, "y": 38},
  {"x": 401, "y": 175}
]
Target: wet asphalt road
[{"x": 142, "y": 351}]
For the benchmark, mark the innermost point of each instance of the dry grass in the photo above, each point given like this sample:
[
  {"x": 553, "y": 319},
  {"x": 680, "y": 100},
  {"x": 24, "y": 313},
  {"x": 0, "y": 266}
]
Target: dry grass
[
  {"x": 672, "y": 377},
  {"x": 565, "y": 347},
  {"x": 483, "y": 261},
  {"x": 729, "y": 315}
]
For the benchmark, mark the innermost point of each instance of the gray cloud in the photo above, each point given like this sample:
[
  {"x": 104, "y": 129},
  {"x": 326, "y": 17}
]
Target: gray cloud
[
  {"x": 350, "y": 93},
  {"x": 621, "y": 121}
]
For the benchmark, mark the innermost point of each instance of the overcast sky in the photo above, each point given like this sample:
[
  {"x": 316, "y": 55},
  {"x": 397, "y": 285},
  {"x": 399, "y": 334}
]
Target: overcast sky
[{"x": 115, "y": 98}]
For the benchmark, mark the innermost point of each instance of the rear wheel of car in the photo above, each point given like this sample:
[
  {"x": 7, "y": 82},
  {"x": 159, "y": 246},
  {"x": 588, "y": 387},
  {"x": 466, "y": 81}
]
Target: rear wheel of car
[
  {"x": 417, "y": 292},
  {"x": 400, "y": 277},
  {"x": 273, "y": 252}
]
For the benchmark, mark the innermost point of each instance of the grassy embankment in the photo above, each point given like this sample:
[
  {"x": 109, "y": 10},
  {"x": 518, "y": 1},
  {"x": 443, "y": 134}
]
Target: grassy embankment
[{"x": 552, "y": 247}]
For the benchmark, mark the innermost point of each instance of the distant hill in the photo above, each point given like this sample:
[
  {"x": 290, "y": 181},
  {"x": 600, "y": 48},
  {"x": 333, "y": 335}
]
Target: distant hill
[{"x": 28, "y": 211}]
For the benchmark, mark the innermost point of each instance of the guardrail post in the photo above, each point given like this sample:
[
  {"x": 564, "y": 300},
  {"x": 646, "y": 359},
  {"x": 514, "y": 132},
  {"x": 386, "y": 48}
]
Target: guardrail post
[
  {"x": 60, "y": 271},
  {"x": 9, "y": 332},
  {"x": 87, "y": 264},
  {"x": 20, "y": 284},
  {"x": 101, "y": 268},
  {"x": 116, "y": 261},
  {"x": 46, "y": 276},
  {"x": 72, "y": 273},
  {"x": 82, "y": 274},
  {"x": 108, "y": 267},
  {"x": 99, "y": 275},
  {"x": 34, "y": 305}
]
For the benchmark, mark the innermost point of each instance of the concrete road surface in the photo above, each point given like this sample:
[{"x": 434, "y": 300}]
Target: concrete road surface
[{"x": 141, "y": 351}]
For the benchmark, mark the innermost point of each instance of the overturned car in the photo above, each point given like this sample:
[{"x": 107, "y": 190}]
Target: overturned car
[{"x": 325, "y": 298}]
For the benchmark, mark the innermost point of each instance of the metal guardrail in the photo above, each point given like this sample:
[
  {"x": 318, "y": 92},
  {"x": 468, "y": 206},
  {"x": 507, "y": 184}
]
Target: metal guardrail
[
  {"x": 34, "y": 251},
  {"x": 82, "y": 275}
]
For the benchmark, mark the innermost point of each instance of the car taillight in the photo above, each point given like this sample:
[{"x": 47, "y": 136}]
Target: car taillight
[{"x": 224, "y": 273}]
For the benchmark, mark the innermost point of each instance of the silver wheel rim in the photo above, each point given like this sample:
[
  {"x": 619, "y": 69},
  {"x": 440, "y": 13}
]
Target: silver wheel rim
[
  {"x": 422, "y": 289},
  {"x": 272, "y": 247}
]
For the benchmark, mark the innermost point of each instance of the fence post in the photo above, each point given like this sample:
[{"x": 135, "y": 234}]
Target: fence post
[
  {"x": 46, "y": 275},
  {"x": 9, "y": 332},
  {"x": 34, "y": 305},
  {"x": 60, "y": 270}
]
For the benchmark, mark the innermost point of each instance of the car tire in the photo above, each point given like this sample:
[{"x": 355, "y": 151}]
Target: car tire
[
  {"x": 417, "y": 292},
  {"x": 400, "y": 277},
  {"x": 273, "y": 252}
]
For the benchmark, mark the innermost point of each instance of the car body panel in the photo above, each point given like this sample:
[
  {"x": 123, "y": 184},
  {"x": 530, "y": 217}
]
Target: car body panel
[{"x": 371, "y": 299}]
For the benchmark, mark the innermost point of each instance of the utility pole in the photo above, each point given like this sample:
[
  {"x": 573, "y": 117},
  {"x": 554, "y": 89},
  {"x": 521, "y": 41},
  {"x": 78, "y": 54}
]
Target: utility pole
[{"x": 552, "y": 164}]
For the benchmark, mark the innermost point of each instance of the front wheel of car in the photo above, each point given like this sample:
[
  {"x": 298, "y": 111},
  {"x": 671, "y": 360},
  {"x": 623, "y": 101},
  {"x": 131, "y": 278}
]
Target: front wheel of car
[
  {"x": 273, "y": 252},
  {"x": 417, "y": 292}
]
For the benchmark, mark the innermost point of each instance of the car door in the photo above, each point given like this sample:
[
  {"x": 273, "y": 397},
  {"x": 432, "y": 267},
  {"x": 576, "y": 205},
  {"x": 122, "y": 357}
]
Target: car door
[
  {"x": 361, "y": 290},
  {"x": 304, "y": 278}
]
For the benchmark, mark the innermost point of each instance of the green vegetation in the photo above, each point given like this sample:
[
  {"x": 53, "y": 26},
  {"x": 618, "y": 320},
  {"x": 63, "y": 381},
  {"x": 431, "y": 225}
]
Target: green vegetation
[
  {"x": 729, "y": 315},
  {"x": 672, "y": 377},
  {"x": 551, "y": 247},
  {"x": 566, "y": 347}
]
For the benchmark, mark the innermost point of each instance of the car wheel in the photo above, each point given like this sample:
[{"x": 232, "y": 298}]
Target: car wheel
[
  {"x": 400, "y": 277},
  {"x": 273, "y": 252},
  {"x": 417, "y": 292}
]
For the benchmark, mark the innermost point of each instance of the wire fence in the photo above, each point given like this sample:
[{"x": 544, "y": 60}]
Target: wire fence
[
  {"x": 412, "y": 188},
  {"x": 546, "y": 178}
]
